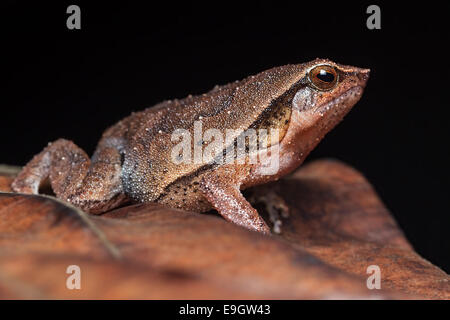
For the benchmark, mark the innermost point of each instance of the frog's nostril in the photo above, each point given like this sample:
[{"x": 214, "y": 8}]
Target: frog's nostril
[{"x": 363, "y": 75}]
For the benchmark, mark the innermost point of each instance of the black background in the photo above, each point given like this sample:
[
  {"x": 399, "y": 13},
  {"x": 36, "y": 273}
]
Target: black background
[{"x": 75, "y": 83}]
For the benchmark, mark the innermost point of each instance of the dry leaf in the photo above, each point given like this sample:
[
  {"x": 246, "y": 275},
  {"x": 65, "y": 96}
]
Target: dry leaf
[{"x": 337, "y": 228}]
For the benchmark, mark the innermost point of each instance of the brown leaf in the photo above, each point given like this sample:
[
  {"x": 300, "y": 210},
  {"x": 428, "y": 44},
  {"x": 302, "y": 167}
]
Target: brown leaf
[
  {"x": 7, "y": 174},
  {"x": 155, "y": 237},
  {"x": 338, "y": 217},
  {"x": 43, "y": 276},
  {"x": 336, "y": 229}
]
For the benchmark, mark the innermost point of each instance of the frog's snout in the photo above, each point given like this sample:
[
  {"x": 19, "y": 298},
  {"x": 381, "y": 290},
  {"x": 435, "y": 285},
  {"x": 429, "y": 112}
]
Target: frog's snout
[{"x": 363, "y": 76}]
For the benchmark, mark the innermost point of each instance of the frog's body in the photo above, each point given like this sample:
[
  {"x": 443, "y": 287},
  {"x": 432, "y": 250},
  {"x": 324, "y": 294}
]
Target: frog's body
[{"x": 134, "y": 158}]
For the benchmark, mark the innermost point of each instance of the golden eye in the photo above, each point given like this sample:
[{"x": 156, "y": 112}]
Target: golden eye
[{"x": 323, "y": 77}]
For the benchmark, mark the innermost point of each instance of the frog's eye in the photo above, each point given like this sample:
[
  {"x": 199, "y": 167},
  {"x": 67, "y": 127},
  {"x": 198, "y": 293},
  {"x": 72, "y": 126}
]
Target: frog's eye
[{"x": 323, "y": 77}]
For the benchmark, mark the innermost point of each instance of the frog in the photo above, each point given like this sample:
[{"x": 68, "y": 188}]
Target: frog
[{"x": 134, "y": 162}]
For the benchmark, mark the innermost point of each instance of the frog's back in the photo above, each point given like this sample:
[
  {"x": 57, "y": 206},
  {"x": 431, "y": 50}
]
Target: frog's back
[{"x": 148, "y": 168}]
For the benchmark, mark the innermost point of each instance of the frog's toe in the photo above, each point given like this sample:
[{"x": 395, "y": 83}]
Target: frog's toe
[{"x": 275, "y": 206}]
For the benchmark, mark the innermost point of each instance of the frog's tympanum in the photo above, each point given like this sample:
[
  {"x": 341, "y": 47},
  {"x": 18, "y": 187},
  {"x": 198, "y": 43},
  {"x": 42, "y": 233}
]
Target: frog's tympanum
[{"x": 134, "y": 158}]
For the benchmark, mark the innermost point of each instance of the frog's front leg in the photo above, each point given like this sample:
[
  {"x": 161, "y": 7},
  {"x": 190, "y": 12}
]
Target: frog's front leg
[
  {"x": 94, "y": 186},
  {"x": 228, "y": 200}
]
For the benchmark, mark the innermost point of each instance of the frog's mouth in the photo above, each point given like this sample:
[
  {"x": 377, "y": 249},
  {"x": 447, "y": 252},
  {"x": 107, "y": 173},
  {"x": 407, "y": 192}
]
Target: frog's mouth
[{"x": 343, "y": 103}]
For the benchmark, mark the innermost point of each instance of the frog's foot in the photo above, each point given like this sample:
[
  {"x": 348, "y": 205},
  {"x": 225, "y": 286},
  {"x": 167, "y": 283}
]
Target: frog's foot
[{"x": 275, "y": 205}]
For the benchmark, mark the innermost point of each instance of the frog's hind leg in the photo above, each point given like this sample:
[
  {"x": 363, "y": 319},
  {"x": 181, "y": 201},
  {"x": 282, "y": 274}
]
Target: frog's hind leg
[
  {"x": 228, "y": 200},
  {"x": 93, "y": 186}
]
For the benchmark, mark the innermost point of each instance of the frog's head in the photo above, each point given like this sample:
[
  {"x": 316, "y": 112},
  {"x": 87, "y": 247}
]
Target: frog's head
[
  {"x": 327, "y": 93},
  {"x": 321, "y": 94}
]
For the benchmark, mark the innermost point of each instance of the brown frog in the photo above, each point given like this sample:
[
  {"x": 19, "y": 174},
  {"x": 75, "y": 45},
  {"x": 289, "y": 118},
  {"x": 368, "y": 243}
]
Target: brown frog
[{"x": 135, "y": 160}]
